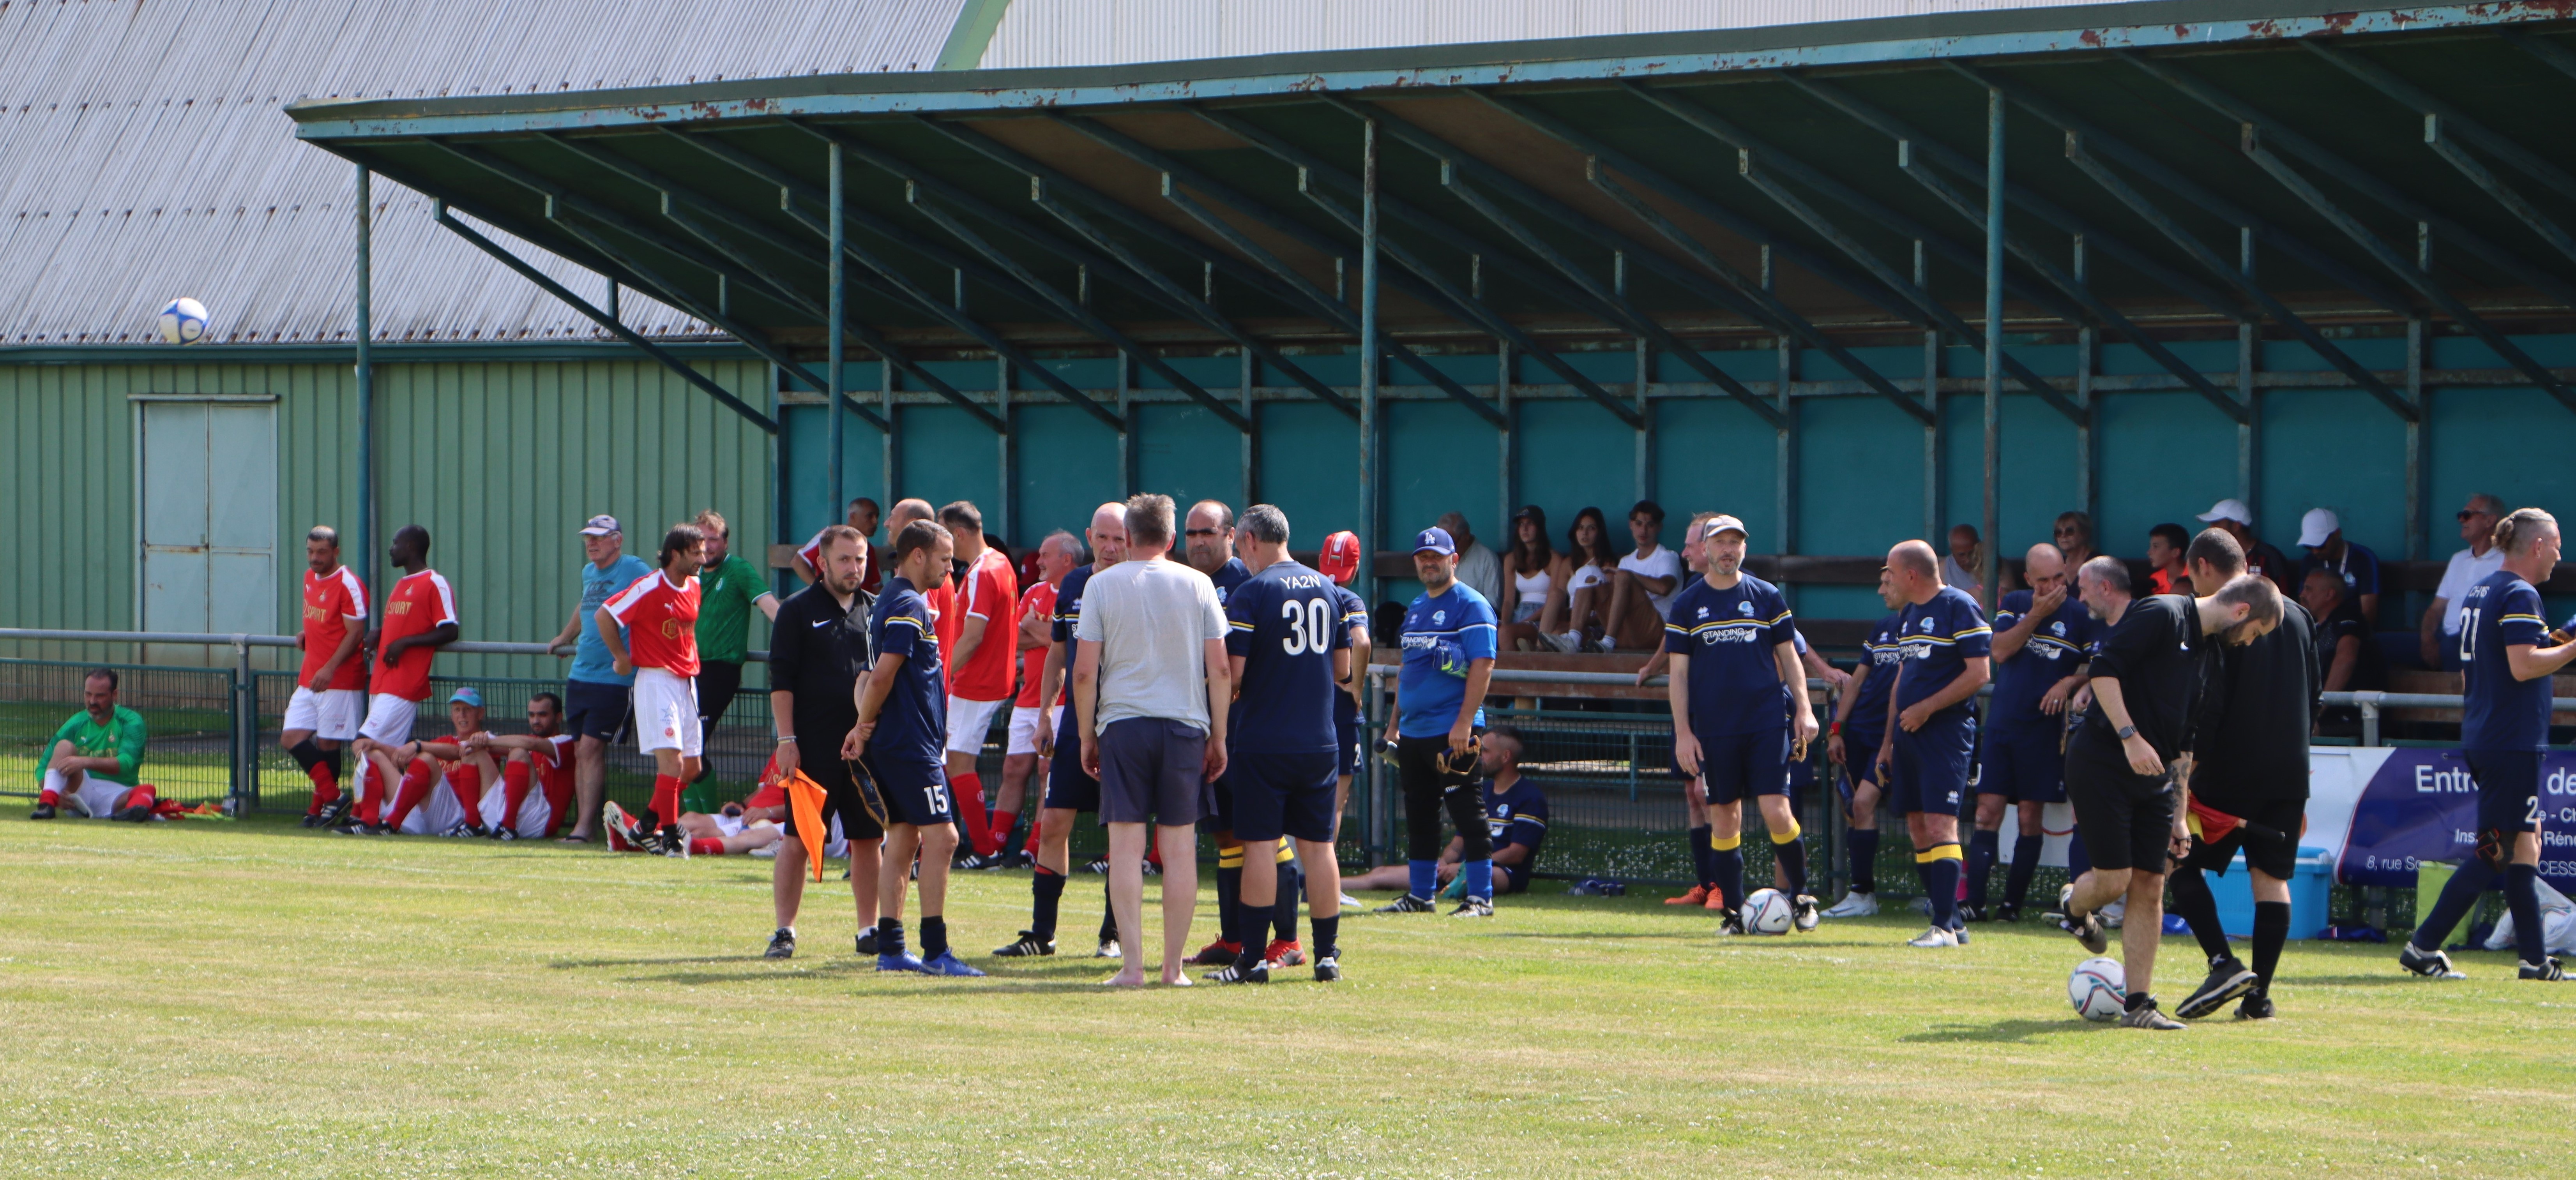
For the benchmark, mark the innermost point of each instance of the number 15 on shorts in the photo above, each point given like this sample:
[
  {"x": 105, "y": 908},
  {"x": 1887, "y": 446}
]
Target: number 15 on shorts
[{"x": 938, "y": 797}]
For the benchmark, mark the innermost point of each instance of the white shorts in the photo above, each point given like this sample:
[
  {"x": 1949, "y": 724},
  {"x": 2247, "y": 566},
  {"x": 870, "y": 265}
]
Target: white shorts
[
  {"x": 1027, "y": 721},
  {"x": 666, "y": 712},
  {"x": 332, "y": 713},
  {"x": 968, "y": 722},
  {"x": 97, "y": 797},
  {"x": 439, "y": 813},
  {"x": 534, "y": 812},
  {"x": 389, "y": 719}
]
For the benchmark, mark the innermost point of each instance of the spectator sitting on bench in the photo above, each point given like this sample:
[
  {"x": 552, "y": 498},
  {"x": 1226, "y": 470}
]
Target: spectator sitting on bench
[
  {"x": 1531, "y": 571},
  {"x": 1515, "y": 814},
  {"x": 1579, "y": 602}
]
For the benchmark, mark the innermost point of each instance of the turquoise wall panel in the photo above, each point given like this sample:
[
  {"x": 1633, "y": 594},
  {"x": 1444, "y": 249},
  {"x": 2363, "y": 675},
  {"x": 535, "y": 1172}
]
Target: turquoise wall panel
[
  {"x": 1440, "y": 457},
  {"x": 1068, "y": 465},
  {"x": 1310, "y": 468},
  {"x": 1188, "y": 453},
  {"x": 1710, "y": 455},
  {"x": 948, "y": 454}
]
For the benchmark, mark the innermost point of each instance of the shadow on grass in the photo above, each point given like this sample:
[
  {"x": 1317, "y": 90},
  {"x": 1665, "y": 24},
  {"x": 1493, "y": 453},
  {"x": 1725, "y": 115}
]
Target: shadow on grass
[
  {"x": 2389, "y": 980},
  {"x": 2011, "y": 1032}
]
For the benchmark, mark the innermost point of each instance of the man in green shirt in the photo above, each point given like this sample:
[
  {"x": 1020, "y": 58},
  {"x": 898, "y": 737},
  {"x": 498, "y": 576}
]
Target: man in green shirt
[
  {"x": 728, "y": 589},
  {"x": 93, "y": 757}
]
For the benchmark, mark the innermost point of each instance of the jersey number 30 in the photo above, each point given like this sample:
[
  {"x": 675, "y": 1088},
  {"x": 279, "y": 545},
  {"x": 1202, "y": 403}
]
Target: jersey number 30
[{"x": 1310, "y": 626}]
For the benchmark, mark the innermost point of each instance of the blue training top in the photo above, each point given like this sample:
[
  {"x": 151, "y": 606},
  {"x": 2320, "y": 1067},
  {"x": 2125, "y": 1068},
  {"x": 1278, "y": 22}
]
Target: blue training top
[
  {"x": 1516, "y": 816},
  {"x": 1940, "y": 637},
  {"x": 1228, "y": 576},
  {"x": 1286, "y": 624},
  {"x": 912, "y": 725},
  {"x": 1883, "y": 651},
  {"x": 590, "y": 659},
  {"x": 1442, "y": 633},
  {"x": 2502, "y": 713},
  {"x": 2060, "y": 643},
  {"x": 1346, "y": 708},
  {"x": 1731, "y": 637}
]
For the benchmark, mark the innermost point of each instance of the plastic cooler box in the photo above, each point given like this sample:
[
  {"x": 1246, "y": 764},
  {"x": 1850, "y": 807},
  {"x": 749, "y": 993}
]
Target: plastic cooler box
[{"x": 2310, "y": 887}]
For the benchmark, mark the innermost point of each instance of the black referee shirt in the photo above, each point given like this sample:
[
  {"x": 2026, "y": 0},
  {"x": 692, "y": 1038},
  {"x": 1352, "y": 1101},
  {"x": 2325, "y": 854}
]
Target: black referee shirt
[
  {"x": 818, "y": 651},
  {"x": 2154, "y": 651},
  {"x": 2255, "y": 713}
]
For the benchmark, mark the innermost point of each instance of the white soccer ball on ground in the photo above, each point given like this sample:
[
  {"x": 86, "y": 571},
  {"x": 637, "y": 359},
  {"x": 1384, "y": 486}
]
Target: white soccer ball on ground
[
  {"x": 2099, "y": 989},
  {"x": 183, "y": 322},
  {"x": 1767, "y": 912}
]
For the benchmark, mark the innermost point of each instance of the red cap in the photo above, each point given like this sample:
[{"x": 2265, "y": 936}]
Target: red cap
[{"x": 1341, "y": 557}]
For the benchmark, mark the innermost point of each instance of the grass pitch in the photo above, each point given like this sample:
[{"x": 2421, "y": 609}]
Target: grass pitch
[{"x": 247, "y": 999}]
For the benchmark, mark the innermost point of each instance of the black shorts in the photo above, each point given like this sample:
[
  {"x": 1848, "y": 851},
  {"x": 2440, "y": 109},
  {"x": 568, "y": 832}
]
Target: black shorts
[
  {"x": 594, "y": 710},
  {"x": 1347, "y": 735},
  {"x": 2508, "y": 794},
  {"x": 1154, "y": 770},
  {"x": 2124, "y": 818},
  {"x": 1740, "y": 766},
  {"x": 1266, "y": 796},
  {"x": 1860, "y": 760},
  {"x": 2275, "y": 855},
  {"x": 840, "y": 801},
  {"x": 915, "y": 793},
  {"x": 1067, "y": 787},
  {"x": 1510, "y": 879},
  {"x": 718, "y": 682},
  {"x": 2024, "y": 767}
]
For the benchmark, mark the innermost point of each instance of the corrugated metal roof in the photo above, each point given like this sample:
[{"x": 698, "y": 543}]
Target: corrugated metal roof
[
  {"x": 145, "y": 157},
  {"x": 1037, "y": 33}
]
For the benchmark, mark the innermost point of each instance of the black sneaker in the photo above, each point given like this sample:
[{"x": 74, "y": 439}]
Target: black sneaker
[
  {"x": 2008, "y": 912},
  {"x": 2086, "y": 929},
  {"x": 1237, "y": 973},
  {"x": 782, "y": 945},
  {"x": 334, "y": 813},
  {"x": 42, "y": 811},
  {"x": 1474, "y": 907},
  {"x": 139, "y": 813},
  {"x": 1328, "y": 968},
  {"x": 2257, "y": 1006},
  {"x": 311, "y": 821},
  {"x": 2227, "y": 980},
  {"x": 1802, "y": 914},
  {"x": 867, "y": 943},
  {"x": 977, "y": 863},
  {"x": 1152, "y": 869},
  {"x": 2429, "y": 964},
  {"x": 1099, "y": 864},
  {"x": 2145, "y": 1016},
  {"x": 1018, "y": 859},
  {"x": 1729, "y": 924},
  {"x": 2546, "y": 971},
  {"x": 1029, "y": 946},
  {"x": 1407, "y": 904},
  {"x": 1970, "y": 913}
]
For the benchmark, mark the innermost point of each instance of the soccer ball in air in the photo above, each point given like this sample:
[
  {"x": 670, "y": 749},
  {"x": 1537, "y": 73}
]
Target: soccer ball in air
[
  {"x": 183, "y": 322},
  {"x": 2099, "y": 989},
  {"x": 1767, "y": 912}
]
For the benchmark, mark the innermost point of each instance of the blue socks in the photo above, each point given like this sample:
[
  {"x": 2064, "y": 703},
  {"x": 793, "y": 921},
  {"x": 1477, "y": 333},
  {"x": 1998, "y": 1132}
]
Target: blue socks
[
  {"x": 2025, "y": 861},
  {"x": 1480, "y": 878},
  {"x": 1700, "y": 865},
  {"x": 2459, "y": 896},
  {"x": 1939, "y": 867},
  {"x": 2522, "y": 896},
  {"x": 1425, "y": 878},
  {"x": 1863, "y": 843},
  {"x": 1984, "y": 849},
  {"x": 1727, "y": 863},
  {"x": 1792, "y": 855}
]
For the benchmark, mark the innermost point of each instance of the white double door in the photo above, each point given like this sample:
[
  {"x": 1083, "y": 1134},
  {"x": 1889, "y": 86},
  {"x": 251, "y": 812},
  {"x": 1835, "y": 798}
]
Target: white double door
[{"x": 209, "y": 513}]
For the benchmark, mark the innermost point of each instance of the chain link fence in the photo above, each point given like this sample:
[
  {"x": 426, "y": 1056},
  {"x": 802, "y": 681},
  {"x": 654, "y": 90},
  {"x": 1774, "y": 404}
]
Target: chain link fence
[{"x": 187, "y": 712}]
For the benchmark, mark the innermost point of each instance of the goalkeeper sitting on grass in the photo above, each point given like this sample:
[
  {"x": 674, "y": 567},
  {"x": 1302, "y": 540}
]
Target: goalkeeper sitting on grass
[{"x": 92, "y": 759}]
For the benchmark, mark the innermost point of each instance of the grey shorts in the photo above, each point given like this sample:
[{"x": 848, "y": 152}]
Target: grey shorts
[{"x": 1152, "y": 770}]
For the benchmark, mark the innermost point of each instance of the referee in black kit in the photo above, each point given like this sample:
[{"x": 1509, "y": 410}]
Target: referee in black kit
[{"x": 818, "y": 651}]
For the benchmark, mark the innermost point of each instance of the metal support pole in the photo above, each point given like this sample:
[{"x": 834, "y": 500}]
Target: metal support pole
[
  {"x": 1506, "y": 481},
  {"x": 1381, "y": 829},
  {"x": 840, "y": 280},
  {"x": 2088, "y": 484},
  {"x": 892, "y": 457},
  {"x": 1008, "y": 454},
  {"x": 245, "y": 730},
  {"x": 366, "y": 385},
  {"x": 2249, "y": 439},
  {"x": 1994, "y": 337},
  {"x": 1126, "y": 430},
  {"x": 2369, "y": 718},
  {"x": 1251, "y": 438},
  {"x": 1784, "y": 500},
  {"x": 1934, "y": 530},
  {"x": 1645, "y": 459},
  {"x": 1368, "y": 360},
  {"x": 2419, "y": 428}
]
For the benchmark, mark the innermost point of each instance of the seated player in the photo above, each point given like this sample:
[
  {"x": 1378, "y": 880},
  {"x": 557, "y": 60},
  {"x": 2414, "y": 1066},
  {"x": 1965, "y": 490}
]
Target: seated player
[
  {"x": 735, "y": 829},
  {"x": 420, "y": 809},
  {"x": 93, "y": 758},
  {"x": 1515, "y": 814},
  {"x": 541, "y": 758}
]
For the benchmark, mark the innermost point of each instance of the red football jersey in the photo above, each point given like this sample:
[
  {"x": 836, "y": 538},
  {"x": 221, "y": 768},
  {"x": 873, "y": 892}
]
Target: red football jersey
[
  {"x": 331, "y": 602},
  {"x": 946, "y": 623},
  {"x": 661, "y": 621},
  {"x": 991, "y": 592},
  {"x": 418, "y": 604},
  {"x": 1039, "y": 601},
  {"x": 553, "y": 764}
]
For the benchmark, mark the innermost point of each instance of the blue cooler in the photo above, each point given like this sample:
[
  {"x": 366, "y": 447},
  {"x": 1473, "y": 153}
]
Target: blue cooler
[{"x": 2310, "y": 888}]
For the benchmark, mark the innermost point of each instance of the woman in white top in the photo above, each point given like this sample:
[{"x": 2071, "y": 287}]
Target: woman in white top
[
  {"x": 1529, "y": 571},
  {"x": 1580, "y": 593}
]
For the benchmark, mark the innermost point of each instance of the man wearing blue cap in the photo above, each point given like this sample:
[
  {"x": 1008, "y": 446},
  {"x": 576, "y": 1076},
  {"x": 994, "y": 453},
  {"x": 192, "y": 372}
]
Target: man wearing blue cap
[
  {"x": 1448, "y": 640},
  {"x": 597, "y": 698}
]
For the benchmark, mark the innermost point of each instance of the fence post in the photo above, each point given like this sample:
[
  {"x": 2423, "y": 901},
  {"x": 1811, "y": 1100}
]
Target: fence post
[
  {"x": 2369, "y": 702},
  {"x": 245, "y": 743},
  {"x": 1835, "y": 822},
  {"x": 1379, "y": 834}
]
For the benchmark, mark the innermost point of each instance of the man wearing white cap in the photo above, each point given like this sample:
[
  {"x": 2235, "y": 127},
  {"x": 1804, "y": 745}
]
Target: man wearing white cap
[
  {"x": 2232, "y": 515},
  {"x": 2321, "y": 534}
]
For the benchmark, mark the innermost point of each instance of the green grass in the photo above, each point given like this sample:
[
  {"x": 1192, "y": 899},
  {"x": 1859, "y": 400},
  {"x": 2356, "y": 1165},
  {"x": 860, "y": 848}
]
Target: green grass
[{"x": 220, "y": 999}]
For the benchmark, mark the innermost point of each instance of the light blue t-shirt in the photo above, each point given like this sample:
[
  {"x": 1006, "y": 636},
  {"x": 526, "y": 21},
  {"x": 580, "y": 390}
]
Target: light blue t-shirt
[
  {"x": 1442, "y": 634},
  {"x": 590, "y": 660}
]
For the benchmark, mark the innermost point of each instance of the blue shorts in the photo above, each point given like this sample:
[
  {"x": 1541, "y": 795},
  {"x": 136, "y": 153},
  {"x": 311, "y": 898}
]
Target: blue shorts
[
  {"x": 1931, "y": 772},
  {"x": 915, "y": 793},
  {"x": 1740, "y": 765},
  {"x": 1068, "y": 788},
  {"x": 2023, "y": 767},
  {"x": 1154, "y": 770},
  {"x": 595, "y": 710},
  {"x": 1860, "y": 760},
  {"x": 2508, "y": 793},
  {"x": 1347, "y": 734},
  {"x": 1266, "y": 796}
]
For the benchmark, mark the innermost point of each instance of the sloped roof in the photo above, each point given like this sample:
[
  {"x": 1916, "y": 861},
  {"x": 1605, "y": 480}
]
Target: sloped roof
[{"x": 143, "y": 155}]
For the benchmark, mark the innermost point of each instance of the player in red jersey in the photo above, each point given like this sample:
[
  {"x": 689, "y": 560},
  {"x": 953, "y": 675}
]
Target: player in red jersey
[
  {"x": 331, "y": 688},
  {"x": 982, "y": 659},
  {"x": 419, "y": 618},
  {"x": 1056, "y": 557},
  {"x": 863, "y": 517},
  {"x": 536, "y": 774},
  {"x": 660, "y": 648},
  {"x": 420, "y": 808}
]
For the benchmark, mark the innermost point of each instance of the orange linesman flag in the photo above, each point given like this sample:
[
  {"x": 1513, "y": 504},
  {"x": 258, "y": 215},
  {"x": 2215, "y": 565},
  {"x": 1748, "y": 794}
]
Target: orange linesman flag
[{"x": 805, "y": 802}]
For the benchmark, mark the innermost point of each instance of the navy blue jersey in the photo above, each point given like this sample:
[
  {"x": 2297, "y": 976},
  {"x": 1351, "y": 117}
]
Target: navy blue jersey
[
  {"x": 1882, "y": 652},
  {"x": 1228, "y": 576},
  {"x": 2358, "y": 567},
  {"x": 1354, "y": 611},
  {"x": 1516, "y": 816},
  {"x": 2502, "y": 713},
  {"x": 1068, "y": 611},
  {"x": 1442, "y": 633},
  {"x": 2057, "y": 646},
  {"x": 1940, "y": 637},
  {"x": 1286, "y": 624},
  {"x": 1731, "y": 637},
  {"x": 912, "y": 725}
]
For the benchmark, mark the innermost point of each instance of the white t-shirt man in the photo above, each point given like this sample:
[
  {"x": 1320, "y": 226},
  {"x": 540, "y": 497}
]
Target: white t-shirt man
[
  {"x": 2465, "y": 571},
  {"x": 1152, "y": 620},
  {"x": 1658, "y": 562},
  {"x": 1481, "y": 571}
]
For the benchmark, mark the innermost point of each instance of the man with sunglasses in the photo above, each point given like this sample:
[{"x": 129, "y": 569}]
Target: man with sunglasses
[
  {"x": 1448, "y": 640},
  {"x": 2440, "y": 632}
]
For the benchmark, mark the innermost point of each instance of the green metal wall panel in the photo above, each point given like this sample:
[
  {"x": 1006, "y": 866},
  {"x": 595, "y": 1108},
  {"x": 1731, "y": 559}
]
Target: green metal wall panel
[
  {"x": 1310, "y": 468},
  {"x": 1068, "y": 466}
]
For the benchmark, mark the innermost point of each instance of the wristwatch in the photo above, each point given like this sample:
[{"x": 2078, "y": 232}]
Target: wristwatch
[{"x": 2125, "y": 732}]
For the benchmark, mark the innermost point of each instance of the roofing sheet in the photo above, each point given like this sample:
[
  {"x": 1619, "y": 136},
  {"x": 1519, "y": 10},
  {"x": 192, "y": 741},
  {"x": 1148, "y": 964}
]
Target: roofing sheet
[{"x": 142, "y": 156}]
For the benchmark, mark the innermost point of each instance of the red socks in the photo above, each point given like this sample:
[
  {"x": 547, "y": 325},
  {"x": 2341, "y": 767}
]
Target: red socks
[
  {"x": 326, "y": 787},
  {"x": 705, "y": 846},
  {"x": 466, "y": 783},
  {"x": 514, "y": 791},
  {"x": 666, "y": 799},
  {"x": 371, "y": 790},
  {"x": 415, "y": 790},
  {"x": 970, "y": 811},
  {"x": 142, "y": 796},
  {"x": 49, "y": 798},
  {"x": 1003, "y": 823}
]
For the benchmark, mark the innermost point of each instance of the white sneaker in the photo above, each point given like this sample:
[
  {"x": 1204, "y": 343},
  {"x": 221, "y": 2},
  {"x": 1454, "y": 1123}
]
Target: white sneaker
[
  {"x": 1570, "y": 642},
  {"x": 2112, "y": 913},
  {"x": 1934, "y": 936},
  {"x": 1855, "y": 904},
  {"x": 1349, "y": 902},
  {"x": 1923, "y": 906}
]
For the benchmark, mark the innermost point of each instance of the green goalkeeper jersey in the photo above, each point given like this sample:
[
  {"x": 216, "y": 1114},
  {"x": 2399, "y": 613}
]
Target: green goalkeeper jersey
[{"x": 120, "y": 738}]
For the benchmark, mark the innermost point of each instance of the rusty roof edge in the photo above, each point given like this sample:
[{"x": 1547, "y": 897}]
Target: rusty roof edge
[{"x": 1981, "y": 34}]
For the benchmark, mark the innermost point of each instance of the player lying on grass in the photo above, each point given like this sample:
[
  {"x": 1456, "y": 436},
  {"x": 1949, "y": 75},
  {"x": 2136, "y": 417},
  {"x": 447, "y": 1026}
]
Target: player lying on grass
[
  {"x": 1515, "y": 819},
  {"x": 94, "y": 757},
  {"x": 736, "y": 829}
]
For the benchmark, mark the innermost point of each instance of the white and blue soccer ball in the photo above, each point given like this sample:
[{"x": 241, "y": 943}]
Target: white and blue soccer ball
[
  {"x": 1766, "y": 912},
  {"x": 2099, "y": 989},
  {"x": 183, "y": 322}
]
